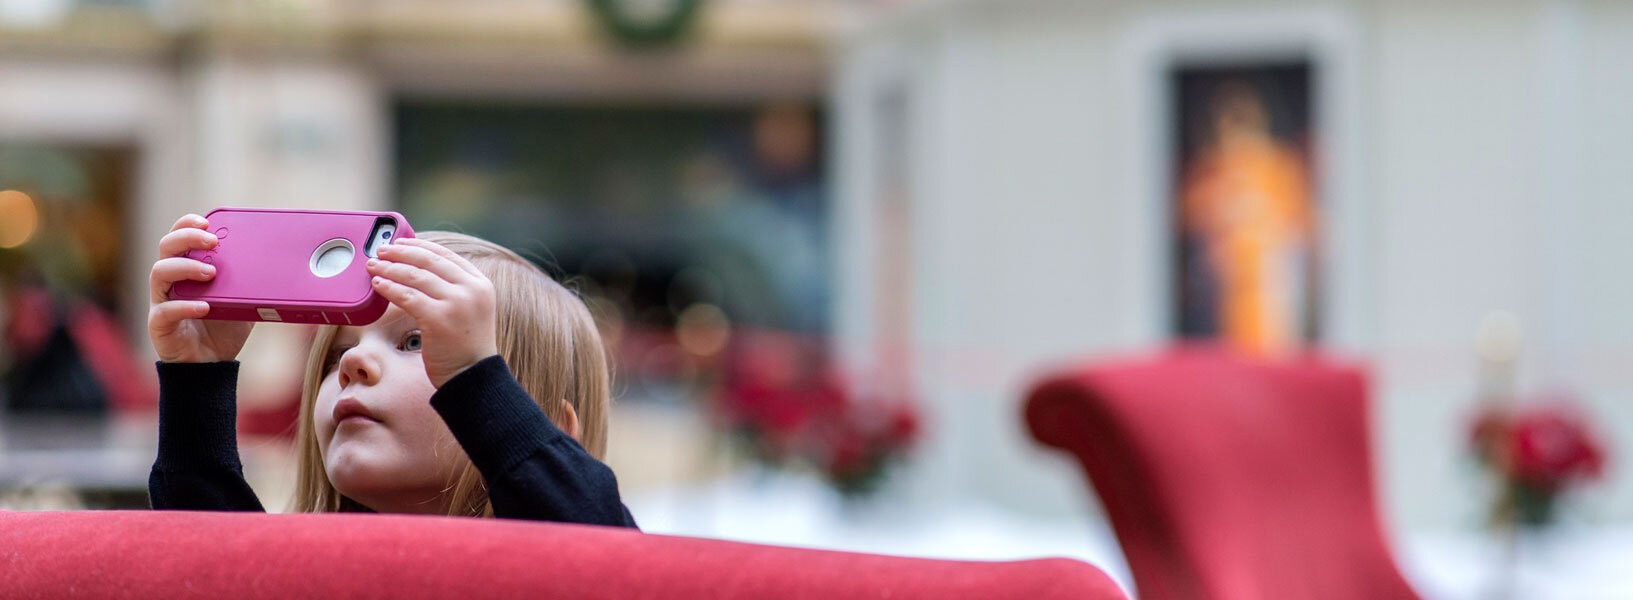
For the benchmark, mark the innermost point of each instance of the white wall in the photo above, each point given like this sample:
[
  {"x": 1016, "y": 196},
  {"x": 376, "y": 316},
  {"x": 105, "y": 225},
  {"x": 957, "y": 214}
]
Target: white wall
[
  {"x": 290, "y": 131},
  {"x": 1472, "y": 163},
  {"x": 1492, "y": 131}
]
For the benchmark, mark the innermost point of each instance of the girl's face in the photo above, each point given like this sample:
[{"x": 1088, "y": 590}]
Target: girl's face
[{"x": 382, "y": 443}]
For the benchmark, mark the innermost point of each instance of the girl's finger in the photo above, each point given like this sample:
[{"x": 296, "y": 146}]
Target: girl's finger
[
  {"x": 164, "y": 317},
  {"x": 168, "y": 271},
  {"x": 178, "y": 242},
  {"x": 424, "y": 258},
  {"x": 414, "y": 277},
  {"x": 192, "y": 221},
  {"x": 444, "y": 252},
  {"x": 412, "y": 301}
]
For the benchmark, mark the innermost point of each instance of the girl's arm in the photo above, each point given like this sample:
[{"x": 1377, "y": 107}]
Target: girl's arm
[
  {"x": 198, "y": 464},
  {"x": 198, "y": 467},
  {"x": 533, "y": 469}
]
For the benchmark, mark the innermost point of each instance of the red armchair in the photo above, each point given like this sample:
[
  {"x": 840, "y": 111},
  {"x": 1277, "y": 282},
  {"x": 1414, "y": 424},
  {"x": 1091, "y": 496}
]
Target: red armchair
[
  {"x": 1227, "y": 478},
  {"x": 143, "y": 554}
]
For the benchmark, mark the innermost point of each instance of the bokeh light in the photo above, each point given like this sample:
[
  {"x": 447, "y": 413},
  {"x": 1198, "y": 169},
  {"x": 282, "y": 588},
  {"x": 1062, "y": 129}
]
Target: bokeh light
[
  {"x": 18, "y": 218},
  {"x": 703, "y": 329}
]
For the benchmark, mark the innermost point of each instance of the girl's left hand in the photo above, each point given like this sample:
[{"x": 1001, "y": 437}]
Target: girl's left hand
[{"x": 452, "y": 301}]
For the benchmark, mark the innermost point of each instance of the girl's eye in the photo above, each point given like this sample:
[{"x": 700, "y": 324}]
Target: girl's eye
[
  {"x": 411, "y": 341},
  {"x": 332, "y": 360}
]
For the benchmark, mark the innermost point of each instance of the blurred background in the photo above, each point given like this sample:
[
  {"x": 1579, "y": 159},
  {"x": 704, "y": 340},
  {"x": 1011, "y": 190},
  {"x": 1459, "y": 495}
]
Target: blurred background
[{"x": 832, "y": 243}]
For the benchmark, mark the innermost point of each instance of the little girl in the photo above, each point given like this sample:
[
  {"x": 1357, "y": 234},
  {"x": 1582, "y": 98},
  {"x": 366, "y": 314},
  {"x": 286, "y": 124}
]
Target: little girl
[{"x": 482, "y": 391}]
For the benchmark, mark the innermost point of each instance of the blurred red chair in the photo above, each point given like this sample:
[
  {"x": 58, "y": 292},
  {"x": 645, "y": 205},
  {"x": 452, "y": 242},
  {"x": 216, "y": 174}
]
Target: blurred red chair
[{"x": 1225, "y": 477}]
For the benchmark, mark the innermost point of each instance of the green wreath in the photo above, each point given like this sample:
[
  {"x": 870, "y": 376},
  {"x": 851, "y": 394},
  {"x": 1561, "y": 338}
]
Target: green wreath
[{"x": 615, "y": 17}]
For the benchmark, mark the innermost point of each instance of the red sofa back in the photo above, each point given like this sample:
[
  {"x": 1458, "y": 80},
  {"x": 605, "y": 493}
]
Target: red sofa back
[
  {"x": 166, "y": 554},
  {"x": 1225, "y": 477}
]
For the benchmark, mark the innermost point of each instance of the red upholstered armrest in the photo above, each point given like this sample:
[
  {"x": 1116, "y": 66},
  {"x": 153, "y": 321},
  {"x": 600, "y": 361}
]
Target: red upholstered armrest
[
  {"x": 165, "y": 554},
  {"x": 1228, "y": 476}
]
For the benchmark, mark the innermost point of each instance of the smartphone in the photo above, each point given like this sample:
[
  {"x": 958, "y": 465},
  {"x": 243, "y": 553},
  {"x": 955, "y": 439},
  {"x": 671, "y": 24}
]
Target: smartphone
[{"x": 293, "y": 266}]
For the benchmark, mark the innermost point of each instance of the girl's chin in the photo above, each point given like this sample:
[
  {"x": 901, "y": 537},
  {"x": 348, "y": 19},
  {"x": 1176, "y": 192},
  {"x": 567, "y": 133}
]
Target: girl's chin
[
  {"x": 354, "y": 468},
  {"x": 366, "y": 471}
]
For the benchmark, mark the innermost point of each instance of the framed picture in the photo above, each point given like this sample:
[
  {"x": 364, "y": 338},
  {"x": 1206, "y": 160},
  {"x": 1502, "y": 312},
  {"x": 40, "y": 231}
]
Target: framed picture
[{"x": 1245, "y": 212}]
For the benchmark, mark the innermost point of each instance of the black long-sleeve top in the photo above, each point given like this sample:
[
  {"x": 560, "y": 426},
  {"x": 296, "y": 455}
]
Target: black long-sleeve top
[{"x": 533, "y": 469}]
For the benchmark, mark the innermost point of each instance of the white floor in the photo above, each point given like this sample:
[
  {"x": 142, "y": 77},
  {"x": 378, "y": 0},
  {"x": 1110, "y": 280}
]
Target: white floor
[
  {"x": 791, "y": 510},
  {"x": 1577, "y": 562}
]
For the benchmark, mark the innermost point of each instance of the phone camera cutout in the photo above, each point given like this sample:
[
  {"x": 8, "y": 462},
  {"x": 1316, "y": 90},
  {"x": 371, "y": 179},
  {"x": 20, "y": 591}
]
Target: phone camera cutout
[
  {"x": 332, "y": 257},
  {"x": 384, "y": 229}
]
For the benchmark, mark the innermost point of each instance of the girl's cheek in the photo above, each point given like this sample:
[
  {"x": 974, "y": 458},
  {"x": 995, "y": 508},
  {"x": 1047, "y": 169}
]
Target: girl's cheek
[{"x": 322, "y": 407}]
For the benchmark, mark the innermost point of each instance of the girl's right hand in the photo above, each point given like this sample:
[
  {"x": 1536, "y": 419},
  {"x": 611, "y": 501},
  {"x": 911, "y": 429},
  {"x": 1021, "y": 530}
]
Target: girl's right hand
[{"x": 175, "y": 326}]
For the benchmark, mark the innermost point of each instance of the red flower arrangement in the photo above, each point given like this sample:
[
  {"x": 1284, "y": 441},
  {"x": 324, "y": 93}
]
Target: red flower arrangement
[
  {"x": 1539, "y": 452},
  {"x": 788, "y": 406}
]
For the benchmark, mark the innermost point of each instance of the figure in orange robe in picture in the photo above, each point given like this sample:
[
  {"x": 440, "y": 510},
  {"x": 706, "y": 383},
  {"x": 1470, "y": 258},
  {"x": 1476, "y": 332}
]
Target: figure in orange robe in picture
[{"x": 1247, "y": 200}]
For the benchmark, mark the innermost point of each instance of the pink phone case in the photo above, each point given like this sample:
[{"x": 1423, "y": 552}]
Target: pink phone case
[{"x": 268, "y": 268}]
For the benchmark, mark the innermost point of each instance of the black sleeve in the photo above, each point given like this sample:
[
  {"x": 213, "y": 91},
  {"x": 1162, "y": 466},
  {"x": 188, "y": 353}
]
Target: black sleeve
[
  {"x": 533, "y": 469},
  {"x": 198, "y": 466}
]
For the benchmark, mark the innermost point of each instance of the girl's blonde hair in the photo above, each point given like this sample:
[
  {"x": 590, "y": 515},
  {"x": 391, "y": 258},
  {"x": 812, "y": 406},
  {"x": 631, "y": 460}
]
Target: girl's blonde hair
[{"x": 546, "y": 335}]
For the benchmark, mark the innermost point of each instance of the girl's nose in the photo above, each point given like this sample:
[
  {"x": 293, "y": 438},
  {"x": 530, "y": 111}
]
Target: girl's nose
[{"x": 358, "y": 365}]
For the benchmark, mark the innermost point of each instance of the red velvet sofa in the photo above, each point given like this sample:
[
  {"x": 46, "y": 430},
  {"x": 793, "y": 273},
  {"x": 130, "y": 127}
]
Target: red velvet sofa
[{"x": 165, "y": 554}]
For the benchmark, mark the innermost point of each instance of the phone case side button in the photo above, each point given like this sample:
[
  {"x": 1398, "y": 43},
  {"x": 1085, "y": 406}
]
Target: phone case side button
[{"x": 268, "y": 314}]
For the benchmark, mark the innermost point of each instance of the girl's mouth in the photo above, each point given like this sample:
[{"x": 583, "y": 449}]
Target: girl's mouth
[
  {"x": 351, "y": 410},
  {"x": 358, "y": 419}
]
